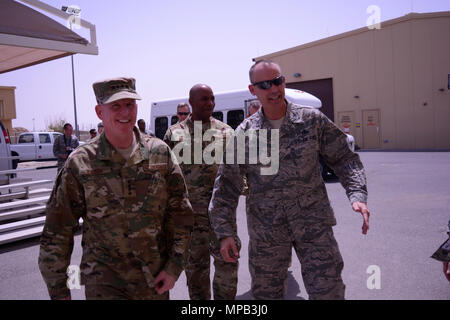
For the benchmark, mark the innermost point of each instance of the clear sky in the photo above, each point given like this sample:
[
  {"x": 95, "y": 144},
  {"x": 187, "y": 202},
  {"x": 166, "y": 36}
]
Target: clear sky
[{"x": 169, "y": 46}]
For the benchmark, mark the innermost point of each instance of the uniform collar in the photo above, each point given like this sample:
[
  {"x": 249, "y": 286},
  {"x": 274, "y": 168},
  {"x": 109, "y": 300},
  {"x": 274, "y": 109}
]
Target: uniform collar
[
  {"x": 107, "y": 152},
  {"x": 205, "y": 126},
  {"x": 290, "y": 118}
]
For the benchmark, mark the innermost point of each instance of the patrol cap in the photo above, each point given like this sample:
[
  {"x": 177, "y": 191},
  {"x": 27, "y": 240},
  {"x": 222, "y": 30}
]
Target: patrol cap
[{"x": 111, "y": 90}]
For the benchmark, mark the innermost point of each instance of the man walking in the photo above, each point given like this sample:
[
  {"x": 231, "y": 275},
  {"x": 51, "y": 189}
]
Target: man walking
[
  {"x": 288, "y": 207},
  {"x": 187, "y": 137},
  {"x": 131, "y": 195}
]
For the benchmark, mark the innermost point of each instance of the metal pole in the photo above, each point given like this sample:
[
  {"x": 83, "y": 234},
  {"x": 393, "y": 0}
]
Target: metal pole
[{"x": 74, "y": 101}]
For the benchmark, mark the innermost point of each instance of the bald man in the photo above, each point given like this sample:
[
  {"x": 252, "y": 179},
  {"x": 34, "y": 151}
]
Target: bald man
[{"x": 200, "y": 178}]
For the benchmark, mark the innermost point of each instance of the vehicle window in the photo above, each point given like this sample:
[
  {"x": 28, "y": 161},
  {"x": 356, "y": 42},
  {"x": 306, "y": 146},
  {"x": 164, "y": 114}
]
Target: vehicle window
[
  {"x": 161, "y": 125},
  {"x": 44, "y": 138},
  {"x": 173, "y": 120},
  {"x": 26, "y": 138},
  {"x": 56, "y": 135},
  {"x": 218, "y": 115},
  {"x": 235, "y": 117}
]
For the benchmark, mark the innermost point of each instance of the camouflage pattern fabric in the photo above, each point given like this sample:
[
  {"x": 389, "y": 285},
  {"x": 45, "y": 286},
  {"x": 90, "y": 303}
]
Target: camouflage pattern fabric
[
  {"x": 132, "y": 291},
  {"x": 200, "y": 181},
  {"x": 291, "y": 207},
  {"x": 59, "y": 148},
  {"x": 443, "y": 253},
  {"x": 136, "y": 216}
]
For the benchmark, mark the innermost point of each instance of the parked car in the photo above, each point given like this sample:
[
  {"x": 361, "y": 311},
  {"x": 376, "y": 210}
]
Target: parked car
[{"x": 35, "y": 146}]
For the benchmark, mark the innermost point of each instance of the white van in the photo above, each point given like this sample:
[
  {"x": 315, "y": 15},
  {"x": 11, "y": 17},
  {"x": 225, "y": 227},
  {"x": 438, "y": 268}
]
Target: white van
[{"x": 231, "y": 108}]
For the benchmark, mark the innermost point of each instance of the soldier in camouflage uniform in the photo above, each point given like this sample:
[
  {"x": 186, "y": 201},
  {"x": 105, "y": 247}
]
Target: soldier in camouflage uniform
[
  {"x": 289, "y": 207},
  {"x": 131, "y": 195},
  {"x": 443, "y": 254},
  {"x": 200, "y": 181}
]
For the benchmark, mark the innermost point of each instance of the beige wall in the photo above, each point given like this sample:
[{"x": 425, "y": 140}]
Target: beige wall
[
  {"x": 8, "y": 100},
  {"x": 397, "y": 70}
]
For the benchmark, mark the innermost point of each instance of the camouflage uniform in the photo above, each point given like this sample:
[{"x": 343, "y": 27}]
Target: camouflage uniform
[
  {"x": 136, "y": 220},
  {"x": 291, "y": 207},
  {"x": 443, "y": 253},
  {"x": 59, "y": 148},
  {"x": 200, "y": 181}
]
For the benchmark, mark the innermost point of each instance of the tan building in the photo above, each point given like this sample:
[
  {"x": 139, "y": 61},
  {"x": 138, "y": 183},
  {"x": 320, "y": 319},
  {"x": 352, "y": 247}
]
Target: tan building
[
  {"x": 7, "y": 106},
  {"x": 390, "y": 87}
]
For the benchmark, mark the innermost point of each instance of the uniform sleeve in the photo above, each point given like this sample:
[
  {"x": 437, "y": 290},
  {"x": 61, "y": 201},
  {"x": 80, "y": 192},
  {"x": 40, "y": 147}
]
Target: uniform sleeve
[
  {"x": 76, "y": 143},
  {"x": 65, "y": 207},
  {"x": 228, "y": 186},
  {"x": 443, "y": 252},
  {"x": 167, "y": 138},
  {"x": 56, "y": 147},
  {"x": 344, "y": 162},
  {"x": 179, "y": 219}
]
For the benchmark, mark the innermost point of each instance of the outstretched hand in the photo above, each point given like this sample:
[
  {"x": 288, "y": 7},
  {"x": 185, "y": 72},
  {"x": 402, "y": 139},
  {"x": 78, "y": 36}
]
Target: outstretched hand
[
  {"x": 362, "y": 208},
  {"x": 229, "y": 250},
  {"x": 164, "y": 282},
  {"x": 447, "y": 270}
]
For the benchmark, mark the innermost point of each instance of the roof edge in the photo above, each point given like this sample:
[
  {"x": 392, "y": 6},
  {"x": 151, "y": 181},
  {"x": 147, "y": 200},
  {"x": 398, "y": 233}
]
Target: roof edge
[
  {"x": 36, "y": 62},
  {"x": 54, "y": 45},
  {"x": 407, "y": 17}
]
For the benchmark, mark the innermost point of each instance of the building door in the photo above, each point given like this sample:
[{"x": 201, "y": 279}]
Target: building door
[
  {"x": 346, "y": 122},
  {"x": 322, "y": 89},
  {"x": 371, "y": 129}
]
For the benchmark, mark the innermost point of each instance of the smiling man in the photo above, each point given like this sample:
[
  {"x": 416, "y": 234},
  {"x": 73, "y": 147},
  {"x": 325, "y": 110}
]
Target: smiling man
[
  {"x": 290, "y": 208},
  {"x": 200, "y": 177},
  {"x": 131, "y": 195}
]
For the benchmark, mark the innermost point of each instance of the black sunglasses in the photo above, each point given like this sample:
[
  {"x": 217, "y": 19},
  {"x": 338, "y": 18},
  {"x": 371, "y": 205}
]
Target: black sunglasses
[
  {"x": 264, "y": 85},
  {"x": 183, "y": 113}
]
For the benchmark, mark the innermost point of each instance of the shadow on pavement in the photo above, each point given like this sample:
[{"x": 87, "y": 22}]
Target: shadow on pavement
[
  {"x": 292, "y": 293},
  {"x": 22, "y": 244}
]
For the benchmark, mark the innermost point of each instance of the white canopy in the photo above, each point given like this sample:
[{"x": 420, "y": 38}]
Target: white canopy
[{"x": 28, "y": 37}]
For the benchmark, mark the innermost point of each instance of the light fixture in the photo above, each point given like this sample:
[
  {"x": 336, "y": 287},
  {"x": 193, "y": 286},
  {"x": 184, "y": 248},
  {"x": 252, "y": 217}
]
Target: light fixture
[
  {"x": 356, "y": 97},
  {"x": 71, "y": 10},
  {"x": 297, "y": 75}
]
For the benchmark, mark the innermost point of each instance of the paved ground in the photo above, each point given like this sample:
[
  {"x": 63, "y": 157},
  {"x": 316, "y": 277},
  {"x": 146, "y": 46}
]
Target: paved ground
[{"x": 410, "y": 204}]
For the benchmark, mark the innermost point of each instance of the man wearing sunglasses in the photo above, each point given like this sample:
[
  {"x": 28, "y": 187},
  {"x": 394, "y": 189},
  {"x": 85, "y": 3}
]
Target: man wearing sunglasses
[
  {"x": 183, "y": 111},
  {"x": 200, "y": 176},
  {"x": 290, "y": 208}
]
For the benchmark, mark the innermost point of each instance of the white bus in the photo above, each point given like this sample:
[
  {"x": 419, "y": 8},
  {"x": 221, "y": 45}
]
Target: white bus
[{"x": 231, "y": 108}]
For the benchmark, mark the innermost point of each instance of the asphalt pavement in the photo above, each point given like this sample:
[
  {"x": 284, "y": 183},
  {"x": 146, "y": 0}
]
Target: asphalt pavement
[{"x": 409, "y": 200}]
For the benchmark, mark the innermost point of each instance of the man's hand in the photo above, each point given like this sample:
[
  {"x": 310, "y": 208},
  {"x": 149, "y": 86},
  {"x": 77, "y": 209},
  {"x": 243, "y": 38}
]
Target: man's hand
[
  {"x": 164, "y": 282},
  {"x": 447, "y": 270},
  {"x": 229, "y": 250},
  {"x": 362, "y": 208}
]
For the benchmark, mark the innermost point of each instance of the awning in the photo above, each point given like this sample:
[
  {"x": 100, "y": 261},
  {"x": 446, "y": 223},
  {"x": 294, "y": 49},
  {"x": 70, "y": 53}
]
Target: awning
[{"x": 28, "y": 37}]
